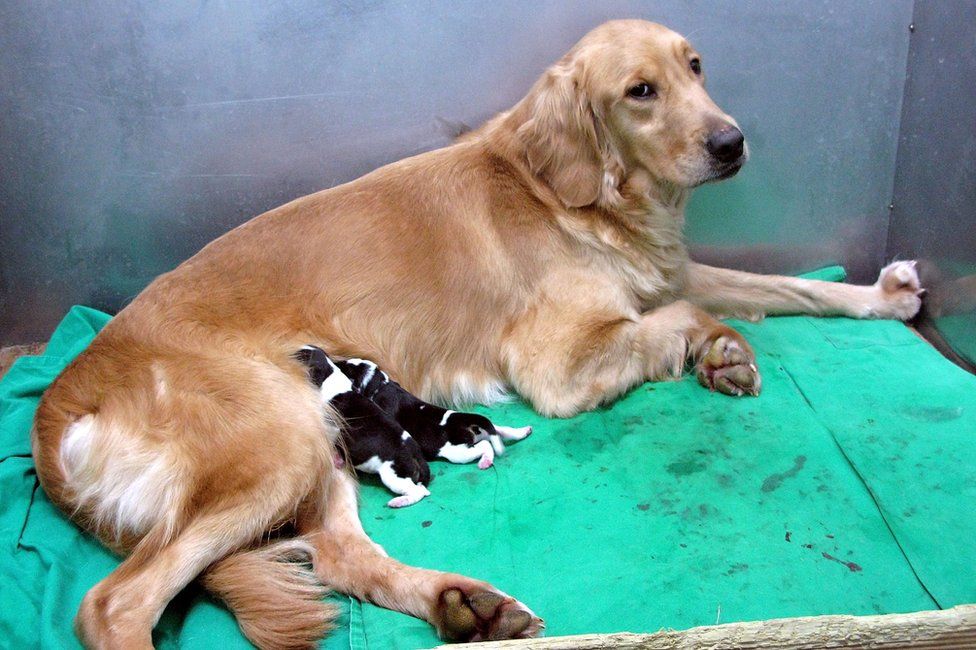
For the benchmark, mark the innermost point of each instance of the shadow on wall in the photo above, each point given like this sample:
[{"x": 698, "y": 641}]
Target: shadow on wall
[{"x": 948, "y": 317}]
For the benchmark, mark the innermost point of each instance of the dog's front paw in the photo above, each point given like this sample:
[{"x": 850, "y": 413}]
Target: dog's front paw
[
  {"x": 900, "y": 291},
  {"x": 729, "y": 366},
  {"x": 476, "y": 612}
]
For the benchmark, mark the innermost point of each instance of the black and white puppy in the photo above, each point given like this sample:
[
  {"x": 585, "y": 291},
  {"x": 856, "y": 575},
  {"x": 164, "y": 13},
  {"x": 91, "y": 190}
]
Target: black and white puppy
[
  {"x": 374, "y": 442},
  {"x": 441, "y": 433},
  {"x": 390, "y": 432}
]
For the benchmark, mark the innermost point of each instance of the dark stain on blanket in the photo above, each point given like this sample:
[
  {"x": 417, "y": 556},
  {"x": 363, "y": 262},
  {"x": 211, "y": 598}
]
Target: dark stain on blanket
[
  {"x": 773, "y": 481},
  {"x": 701, "y": 512},
  {"x": 643, "y": 507},
  {"x": 851, "y": 566},
  {"x": 686, "y": 467},
  {"x": 736, "y": 568},
  {"x": 426, "y": 523},
  {"x": 749, "y": 423}
]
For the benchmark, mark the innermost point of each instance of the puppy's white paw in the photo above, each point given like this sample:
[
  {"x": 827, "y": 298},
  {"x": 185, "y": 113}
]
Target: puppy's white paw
[
  {"x": 486, "y": 461},
  {"x": 409, "y": 499},
  {"x": 513, "y": 433},
  {"x": 497, "y": 444},
  {"x": 899, "y": 291}
]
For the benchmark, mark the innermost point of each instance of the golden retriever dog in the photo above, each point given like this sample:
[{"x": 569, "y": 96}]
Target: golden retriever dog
[{"x": 540, "y": 254}]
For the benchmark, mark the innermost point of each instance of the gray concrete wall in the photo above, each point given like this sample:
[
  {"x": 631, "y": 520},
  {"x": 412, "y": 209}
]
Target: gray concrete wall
[{"x": 133, "y": 133}]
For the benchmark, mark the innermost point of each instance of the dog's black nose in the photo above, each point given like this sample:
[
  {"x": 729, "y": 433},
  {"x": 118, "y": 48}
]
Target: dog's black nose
[{"x": 726, "y": 144}]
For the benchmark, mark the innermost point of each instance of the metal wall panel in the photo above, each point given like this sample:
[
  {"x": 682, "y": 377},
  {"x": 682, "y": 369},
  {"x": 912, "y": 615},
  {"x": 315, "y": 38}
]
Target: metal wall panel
[
  {"x": 935, "y": 185},
  {"x": 132, "y": 133}
]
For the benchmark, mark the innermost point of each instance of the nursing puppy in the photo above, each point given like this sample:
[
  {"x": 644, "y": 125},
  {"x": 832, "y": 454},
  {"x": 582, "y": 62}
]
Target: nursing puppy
[
  {"x": 379, "y": 418},
  {"x": 442, "y": 433},
  {"x": 373, "y": 441},
  {"x": 541, "y": 254}
]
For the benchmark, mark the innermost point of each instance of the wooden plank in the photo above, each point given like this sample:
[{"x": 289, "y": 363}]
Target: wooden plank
[{"x": 940, "y": 629}]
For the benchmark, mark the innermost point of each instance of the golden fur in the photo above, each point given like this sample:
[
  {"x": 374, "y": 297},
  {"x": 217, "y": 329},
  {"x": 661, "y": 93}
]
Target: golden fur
[{"x": 541, "y": 253}]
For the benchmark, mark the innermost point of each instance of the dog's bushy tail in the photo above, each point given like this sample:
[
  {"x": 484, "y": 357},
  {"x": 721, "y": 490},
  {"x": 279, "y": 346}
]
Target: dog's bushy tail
[{"x": 277, "y": 600}]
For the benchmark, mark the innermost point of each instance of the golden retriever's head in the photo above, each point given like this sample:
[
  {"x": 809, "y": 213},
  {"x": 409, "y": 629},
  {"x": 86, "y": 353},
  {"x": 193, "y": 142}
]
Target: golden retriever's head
[{"x": 628, "y": 99}]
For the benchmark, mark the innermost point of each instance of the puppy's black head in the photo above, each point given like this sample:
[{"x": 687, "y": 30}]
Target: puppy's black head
[
  {"x": 365, "y": 376},
  {"x": 317, "y": 362},
  {"x": 358, "y": 373}
]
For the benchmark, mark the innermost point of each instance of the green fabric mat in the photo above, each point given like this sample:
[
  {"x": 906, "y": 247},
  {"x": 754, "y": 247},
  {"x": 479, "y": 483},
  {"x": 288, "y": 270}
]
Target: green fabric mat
[
  {"x": 847, "y": 487},
  {"x": 959, "y": 331}
]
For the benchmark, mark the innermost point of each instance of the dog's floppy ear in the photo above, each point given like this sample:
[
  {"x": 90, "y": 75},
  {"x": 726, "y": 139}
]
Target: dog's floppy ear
[{"x": 559, "y": 136}]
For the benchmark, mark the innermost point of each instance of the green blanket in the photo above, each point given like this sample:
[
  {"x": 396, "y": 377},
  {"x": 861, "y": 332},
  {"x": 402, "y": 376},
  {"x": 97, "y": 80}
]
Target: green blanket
[{"x": 847, "y": 487}]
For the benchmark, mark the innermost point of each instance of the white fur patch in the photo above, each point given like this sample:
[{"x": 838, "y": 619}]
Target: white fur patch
[
  {"x": 513, "y": 433},
  {"x": 335, "y": 384},
  {"x": 497, "y": 444},
  {"x": 447, "y": 414},
  {"x": 162, "y": 387},
  {"x": 408, "y": 499},
  {"x": 507, "y": 433},
  {"x": 76, "y": 444},
  {"x": 411, "y": 492},
  {"x": 127, "y": 483},
  {"x": 481, "y": 451},
  {"x": 370, "y": 369},
  {"x": 468, "y": 391},
  {"x": 371, "y": 465}
]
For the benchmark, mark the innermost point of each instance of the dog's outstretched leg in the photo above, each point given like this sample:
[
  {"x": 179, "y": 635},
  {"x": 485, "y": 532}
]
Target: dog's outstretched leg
[{"x": 460, "y": 608}]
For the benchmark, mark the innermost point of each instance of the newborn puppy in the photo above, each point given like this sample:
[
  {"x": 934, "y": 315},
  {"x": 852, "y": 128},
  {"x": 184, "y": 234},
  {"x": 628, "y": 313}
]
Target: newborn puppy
[
  {"x": 457, "y": 437},
  {"x": 375, "y": 443}
]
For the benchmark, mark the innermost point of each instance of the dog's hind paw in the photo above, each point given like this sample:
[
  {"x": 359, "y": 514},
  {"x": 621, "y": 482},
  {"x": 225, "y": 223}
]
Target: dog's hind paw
[{"x": 479, "y": 613}]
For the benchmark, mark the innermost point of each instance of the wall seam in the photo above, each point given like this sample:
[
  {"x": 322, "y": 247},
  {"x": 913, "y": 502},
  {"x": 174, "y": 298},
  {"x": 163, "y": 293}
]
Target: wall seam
[{"x": 893, "y": 193}]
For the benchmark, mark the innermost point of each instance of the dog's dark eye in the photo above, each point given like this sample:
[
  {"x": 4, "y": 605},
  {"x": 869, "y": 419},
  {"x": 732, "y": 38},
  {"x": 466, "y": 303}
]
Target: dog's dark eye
[
  {"x": 642, "y": 91},
  {"x": 695, "y": 65}
]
